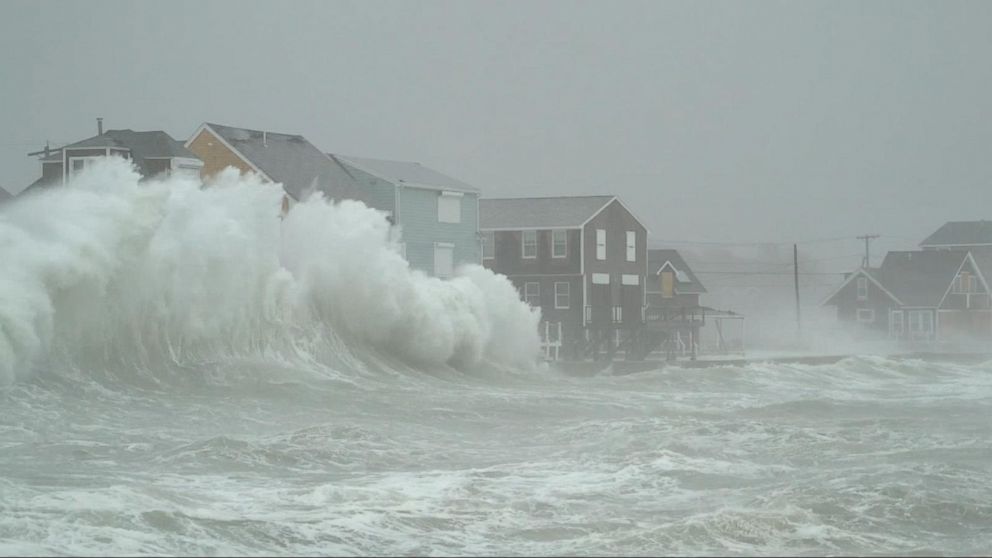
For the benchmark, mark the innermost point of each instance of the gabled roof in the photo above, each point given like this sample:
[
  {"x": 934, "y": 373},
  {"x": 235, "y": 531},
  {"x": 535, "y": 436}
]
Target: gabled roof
[
  {"x": 406, "y": 173},
  {"x": 292, "y": 161},
  {"x": 540, "y": 213},
  {"x": 871, "y": 273},
  {"x": 983, "y": 260},
  {"x": 5, "y": 195},
  {"x": 687, "y": 282},
  {"x": 154, "y": 144},
  {"x": 920, "y": 278},
  {"x": 961, "y": 233}
]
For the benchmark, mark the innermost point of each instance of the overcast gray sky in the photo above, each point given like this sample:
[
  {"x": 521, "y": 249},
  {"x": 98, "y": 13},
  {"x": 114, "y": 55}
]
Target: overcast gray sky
[{"x": 715, "y": 121}]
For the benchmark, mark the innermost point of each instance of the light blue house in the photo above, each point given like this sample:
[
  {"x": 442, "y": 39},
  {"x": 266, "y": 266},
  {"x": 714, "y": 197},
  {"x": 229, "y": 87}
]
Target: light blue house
[{"x": 438, "y": 216}]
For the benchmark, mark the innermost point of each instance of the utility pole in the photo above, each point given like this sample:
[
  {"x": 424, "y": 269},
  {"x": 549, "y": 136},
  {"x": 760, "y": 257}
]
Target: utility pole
[
  {"x": 867, "y": 238},
  {"x": 795, "y": 275}
]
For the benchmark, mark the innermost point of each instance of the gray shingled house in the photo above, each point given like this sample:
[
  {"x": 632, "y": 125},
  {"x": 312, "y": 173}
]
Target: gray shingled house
[
  {"x": 154, "y": 153},
  {"x": 581, "y": 259},
  {"x": 287, "y": 159},
  {"x": 919, "y": 296}
]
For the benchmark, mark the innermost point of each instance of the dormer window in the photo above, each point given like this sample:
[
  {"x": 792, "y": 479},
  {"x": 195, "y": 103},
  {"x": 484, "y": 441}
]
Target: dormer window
[{"x": 79, "y": 164}]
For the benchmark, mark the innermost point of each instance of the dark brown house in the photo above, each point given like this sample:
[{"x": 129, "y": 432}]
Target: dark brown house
[
  {"x": 154, "y": 153},
  {"x": 582, "y": 260},
  {"x": 926, "y": 296}
]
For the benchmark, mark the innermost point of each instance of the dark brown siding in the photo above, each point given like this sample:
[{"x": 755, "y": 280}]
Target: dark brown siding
[
  {"x": 510, "y": 261},
  {"x": 616, "y": 221}
]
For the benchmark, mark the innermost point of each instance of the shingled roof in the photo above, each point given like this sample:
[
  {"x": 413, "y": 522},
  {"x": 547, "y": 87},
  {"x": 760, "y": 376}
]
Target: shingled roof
[
  {"x": 294, "y": 162},
  {"x": 406, "y": 173},
  {"x": 920, "y": 278},
  {"x": 961, "y": 233},
  {"x": 540, "y": 213},
  {"x": 686, "y": 280}
]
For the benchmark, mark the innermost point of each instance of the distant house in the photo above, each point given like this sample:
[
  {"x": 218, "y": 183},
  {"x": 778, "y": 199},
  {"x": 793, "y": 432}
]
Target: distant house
[
  {"x": 288, "y": 159},
  {"x": 438, "y": 215},
  {"x": 582, "y": 260},
  {"x": 973, "y": 236},
  {"x": 927, "y": 295},
  {"x": 673, "y": 296},
  {"x": 154, "y": 153}
]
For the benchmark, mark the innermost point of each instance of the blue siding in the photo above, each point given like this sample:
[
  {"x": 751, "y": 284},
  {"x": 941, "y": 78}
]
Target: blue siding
[{"x": 421, "y": 229}]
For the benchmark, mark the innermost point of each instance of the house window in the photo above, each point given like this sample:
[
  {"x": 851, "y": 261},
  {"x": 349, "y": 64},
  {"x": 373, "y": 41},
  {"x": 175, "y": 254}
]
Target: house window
[
  {"x": 444, "y": 259},
  {"x": 667, "y": 283},
  {"x": 630, "y": 279},
  {"x": 920, "y": 323},
  {"x": 866, "y": 315},
  {"x": 896, "y": 323},
  {"x": 862, "y": 288},
  {"x": 449, "y": 207},
  {"x": 631, "y": 246},
  {"x": 488, "y": 245},
  {"x": 561, "y": 295},
  {"x": 78, "y": 164},
  {"x": 559, "y": 243},
  {"x": 600, "y": 278},
  {"x": 532, "y": 294},
  {"x": 529, "y": 244},
  {"x": 965, "y": 283},
  {"x": 600, "y": 244}
]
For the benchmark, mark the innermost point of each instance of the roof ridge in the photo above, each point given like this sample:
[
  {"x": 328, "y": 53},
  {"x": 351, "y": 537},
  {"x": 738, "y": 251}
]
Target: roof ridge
[
  {"x": 550, "y": 197},
  {"x": 269, "y": 132}
]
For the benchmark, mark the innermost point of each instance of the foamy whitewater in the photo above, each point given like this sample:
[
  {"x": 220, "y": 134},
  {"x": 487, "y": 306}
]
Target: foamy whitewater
[{"x": 185, "y": 373}]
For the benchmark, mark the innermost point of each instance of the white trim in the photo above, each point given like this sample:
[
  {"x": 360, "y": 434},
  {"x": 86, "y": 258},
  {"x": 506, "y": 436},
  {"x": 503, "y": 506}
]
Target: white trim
[
  {"x": 568, "y": 293},
  {"x": 452, "y": 215},
  {"x": 514, "y": 229},
  {"x": 452, "y": 194},
  {"x": 600, "y": 278},
  {"x": 858, "y": 293},
  {"x": 538, "y": 294},
  {"x": 600, "y": 258},
  {"x": 523, "y": 246},
  {"x": 447, "y": 246},
  {"x": 618, "y": 200},
  {"x": 974, "y": 265},
  {"x": 952, "y": 246},
  {"x": 631, "y": 246},
  {"x": 582, "y": 273},
  {"x": 223, "y": 142},
  {"x": 565, "y": 255},
  {"x": 892, "y": 322},
  {"x": 851, "y": 278}
]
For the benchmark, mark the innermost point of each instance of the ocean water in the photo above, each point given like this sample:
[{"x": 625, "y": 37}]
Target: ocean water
[{"x": 183, "y": 373}]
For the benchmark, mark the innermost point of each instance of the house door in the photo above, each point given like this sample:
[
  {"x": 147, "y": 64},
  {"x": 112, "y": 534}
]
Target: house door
[{"x": 667, "y": 284}]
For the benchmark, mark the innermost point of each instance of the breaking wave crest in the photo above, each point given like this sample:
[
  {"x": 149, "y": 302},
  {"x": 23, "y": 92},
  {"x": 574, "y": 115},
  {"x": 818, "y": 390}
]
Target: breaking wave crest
[{"x": 113, "y": 272}]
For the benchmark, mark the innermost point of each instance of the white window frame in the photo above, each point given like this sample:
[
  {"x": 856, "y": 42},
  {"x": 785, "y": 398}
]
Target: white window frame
[
  {"x": 524, "y": 243},
  {"x": 489, "y": 241},
  {"x": 536, "y": 294},
  {"x": 631, "y": 246},
  {"x": 87, "y": 161},
  {"x": 449, "y": 207},
  {"x": 600, "y": 278},
  {"x": 865, "y": 315},
  {"x": 563, "y": 289},
  {"x": 554, "y": 243},
  {"x": 440, "y": 247},
  {"x": 630, "y": 279},
  {"x": 896, "y": 318},
  {"x": 959, "y": 286},
  {"x": 600, "y": 244},
  {"x": 916, "y": 325},
  {"x": 862, "y": 288}
]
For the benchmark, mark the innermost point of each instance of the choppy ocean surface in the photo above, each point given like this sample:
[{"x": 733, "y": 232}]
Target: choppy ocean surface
[
  {"x": 183, "y": 372},
  {"x": 868, "y": 456}
]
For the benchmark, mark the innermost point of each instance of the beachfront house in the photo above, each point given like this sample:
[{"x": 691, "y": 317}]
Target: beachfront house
[
  {"x": 437, "y": 215},
  {"x": 924, "y": 296},
  {"x": 581, "y": 259},
  {"x": 287, "y": 159},
  {"x": 154, "y": 153},
  {"x": 672, "y": 292}
]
